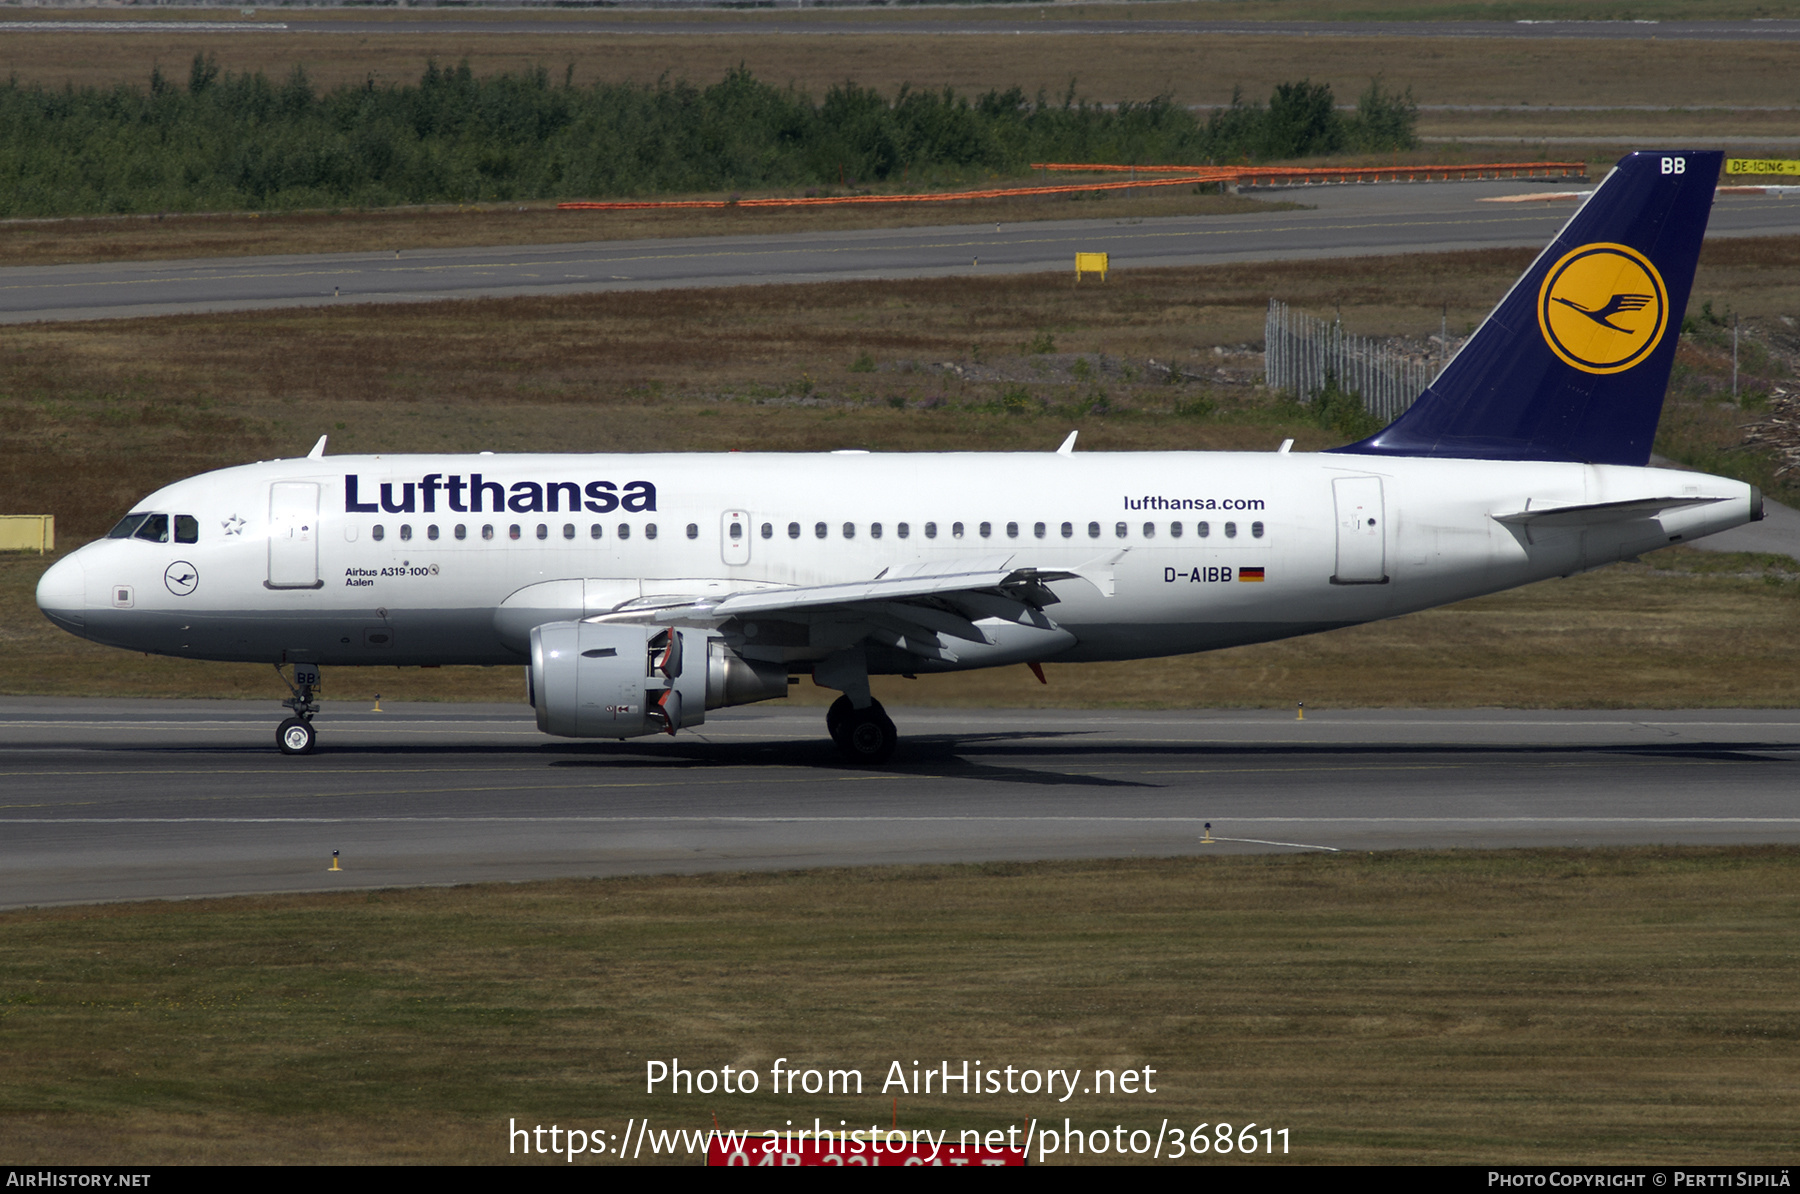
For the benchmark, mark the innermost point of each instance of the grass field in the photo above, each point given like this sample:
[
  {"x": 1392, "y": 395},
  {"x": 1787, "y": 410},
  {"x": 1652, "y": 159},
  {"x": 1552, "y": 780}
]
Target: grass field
[{"x": 1539, "y": 1006}]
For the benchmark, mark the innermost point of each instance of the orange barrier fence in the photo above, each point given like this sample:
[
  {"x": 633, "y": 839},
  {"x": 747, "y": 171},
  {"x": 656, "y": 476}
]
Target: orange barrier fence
[
  {"x": 1181, "y": 176},
  {"x": 1305, "y": 174}
]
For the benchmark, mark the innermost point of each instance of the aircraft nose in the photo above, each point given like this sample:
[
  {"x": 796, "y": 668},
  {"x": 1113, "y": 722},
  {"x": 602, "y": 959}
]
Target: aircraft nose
[{"x": 62, "y": 593}]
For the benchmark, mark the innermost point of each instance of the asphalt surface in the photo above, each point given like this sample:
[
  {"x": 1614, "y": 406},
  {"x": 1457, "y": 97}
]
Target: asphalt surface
[
  {"x": 1019, "y": 21},
  {"x": 112, "y": 800},
  {"x": 1346, "y": 221}
]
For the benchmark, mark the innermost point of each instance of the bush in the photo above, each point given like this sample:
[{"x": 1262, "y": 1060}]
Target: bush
[{"x": 230, "y": 141}]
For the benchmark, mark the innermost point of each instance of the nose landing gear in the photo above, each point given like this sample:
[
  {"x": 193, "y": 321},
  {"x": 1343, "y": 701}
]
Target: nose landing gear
[{"x": 296, "y": 735}]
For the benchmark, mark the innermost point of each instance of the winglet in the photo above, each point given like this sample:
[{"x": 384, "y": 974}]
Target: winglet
[
  {"x": 1068, "y": 445},
  {"x": 318, "y": 452}
]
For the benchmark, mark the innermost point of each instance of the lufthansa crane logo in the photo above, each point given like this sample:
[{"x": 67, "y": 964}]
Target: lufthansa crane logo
[
  {"x": 1603, "y": 308},
  {"x": 182, "y": 578}
]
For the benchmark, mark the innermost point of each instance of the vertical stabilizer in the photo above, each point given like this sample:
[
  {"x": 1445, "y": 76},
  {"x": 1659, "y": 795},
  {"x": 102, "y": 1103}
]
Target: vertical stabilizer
[{"x": 1573, "y": 363}]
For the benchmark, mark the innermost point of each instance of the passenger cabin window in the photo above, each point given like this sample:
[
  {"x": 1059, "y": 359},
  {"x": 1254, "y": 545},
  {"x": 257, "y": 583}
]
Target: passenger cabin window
[
  {"x": 986, "y": 530},
  {"x": 1120, "y": 530},
  {"x": 462, "y": 532},
  {"x": 902, "y": 530},
  {"x": 956, "y": 530},
  {"x": 378, "y": 532},
  {"x": 431, "y": 531},
  {"x": 1093, "y": 530},
  {"x": 187, "y": 528},
  {"x": 874, "y": 530},
  {"x": 568, "y": 530},
  {"x": 405, "y": 531},
  {"x": 487, "y": 532},
  {"x": 849, "y": 530},
  {"x": 624, "y": 530},
  {"x": 768, "y": 530},
  {"x": 1174, "y": 530},
  {"x": 1203, "y": 529},
  {"x": 594, "y": 531},
  {"x": 543, "y": 531},
  {"x": 1068, "y": 530},
  {"x": 513, "y": 531},
  {"x": 819, "y": 530},
  {"x": 931, "y": 530},
  {"x": 793, "y": 530},
  {"x": 1149, "y": 530},
  {"x": 1256, "y": 530},
  {"x": 1038, "y": 529},
  {"x": 1012, "y": 530},
  {"x": 693, "y": 529},
  {"x": 1231, "y": 530},
  {"x": 649, "y": 530}
]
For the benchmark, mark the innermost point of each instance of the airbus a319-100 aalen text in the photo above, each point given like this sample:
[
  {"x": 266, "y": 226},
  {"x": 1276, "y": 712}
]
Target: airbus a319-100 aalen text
[{"x": 642, "y": 591}]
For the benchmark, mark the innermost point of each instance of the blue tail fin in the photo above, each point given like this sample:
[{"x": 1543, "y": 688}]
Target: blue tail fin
[{"x": 1574, "y": 362}]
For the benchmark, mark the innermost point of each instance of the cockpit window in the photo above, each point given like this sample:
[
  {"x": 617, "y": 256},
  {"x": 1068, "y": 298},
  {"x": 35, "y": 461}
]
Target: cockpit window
[
  {"x": 155, "y": 529},
  {"x": 187, "y": 528},
  {"x": 127, "y": 526}
]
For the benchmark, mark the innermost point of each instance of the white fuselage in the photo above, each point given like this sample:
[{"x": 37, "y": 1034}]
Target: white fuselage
[{"x": 286, "y": 564}]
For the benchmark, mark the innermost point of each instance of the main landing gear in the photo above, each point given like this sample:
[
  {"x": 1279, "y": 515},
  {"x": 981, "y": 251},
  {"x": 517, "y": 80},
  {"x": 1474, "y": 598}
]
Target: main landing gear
[
  {"x": 296, "y": 735},
  {"x": 862, "y": 735}
]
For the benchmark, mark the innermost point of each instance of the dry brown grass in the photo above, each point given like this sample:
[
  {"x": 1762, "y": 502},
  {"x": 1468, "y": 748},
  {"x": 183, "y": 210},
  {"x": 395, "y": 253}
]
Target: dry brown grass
[{"x": 1625, "y": 1007}]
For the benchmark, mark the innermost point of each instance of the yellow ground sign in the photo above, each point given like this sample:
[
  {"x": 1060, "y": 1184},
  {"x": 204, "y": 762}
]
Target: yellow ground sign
[
  {"x": 1090, "y": 263},
  {"x": 1760, "y": 166},
  {"x": 28, "y": 532}
]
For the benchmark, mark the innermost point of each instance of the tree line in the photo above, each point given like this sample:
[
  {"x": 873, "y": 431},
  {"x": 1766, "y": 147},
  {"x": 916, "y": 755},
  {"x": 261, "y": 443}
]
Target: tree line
[{"x": 230, "y": 141}]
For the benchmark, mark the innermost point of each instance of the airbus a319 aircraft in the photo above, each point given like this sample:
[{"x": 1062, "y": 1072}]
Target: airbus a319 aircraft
[{"x": 642, "y": 591}]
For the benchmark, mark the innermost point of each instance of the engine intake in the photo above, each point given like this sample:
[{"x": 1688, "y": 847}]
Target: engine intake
[{"x": 589, "y": 680}]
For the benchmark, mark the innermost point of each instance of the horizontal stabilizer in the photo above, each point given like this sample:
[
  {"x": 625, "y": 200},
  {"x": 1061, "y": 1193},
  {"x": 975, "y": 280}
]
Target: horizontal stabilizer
[{"x": 1601, "y": 512}]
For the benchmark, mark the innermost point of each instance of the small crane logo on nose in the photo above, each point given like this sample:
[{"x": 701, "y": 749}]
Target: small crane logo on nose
[{"x": 182, "y": 578}]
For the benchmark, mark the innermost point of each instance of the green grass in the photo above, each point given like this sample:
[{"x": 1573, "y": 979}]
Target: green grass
[{"x": 1609, "y": 1006}]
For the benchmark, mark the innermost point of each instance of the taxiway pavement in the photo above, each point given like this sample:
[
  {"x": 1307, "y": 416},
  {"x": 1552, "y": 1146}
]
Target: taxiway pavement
[
  {"x": 118, "y": 800},
  {"x": 1345, "y": 221}
]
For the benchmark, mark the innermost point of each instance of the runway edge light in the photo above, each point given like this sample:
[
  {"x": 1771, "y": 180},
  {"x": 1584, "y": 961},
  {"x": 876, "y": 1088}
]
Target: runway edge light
[{"x": 334, "y": 861}]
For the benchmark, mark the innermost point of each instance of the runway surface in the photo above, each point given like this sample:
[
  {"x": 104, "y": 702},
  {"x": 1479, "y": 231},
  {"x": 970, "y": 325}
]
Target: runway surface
[
  {"x": 1346, "y": 221},
  {"x": 1023, "y": 20},
  {"x": 113, "y": 800}
]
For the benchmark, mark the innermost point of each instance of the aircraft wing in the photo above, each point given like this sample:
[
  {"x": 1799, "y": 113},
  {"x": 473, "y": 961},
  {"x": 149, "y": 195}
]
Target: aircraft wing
[{"x": 914, "y": 608}]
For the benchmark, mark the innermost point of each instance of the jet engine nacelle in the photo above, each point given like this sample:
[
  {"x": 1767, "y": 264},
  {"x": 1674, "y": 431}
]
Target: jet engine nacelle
[{"x": 591, "y": 680}]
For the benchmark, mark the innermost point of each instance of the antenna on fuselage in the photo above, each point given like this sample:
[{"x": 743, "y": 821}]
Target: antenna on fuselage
[
  {"x": 1068, "y": 445},
  {"x": 318, "y": 451}
]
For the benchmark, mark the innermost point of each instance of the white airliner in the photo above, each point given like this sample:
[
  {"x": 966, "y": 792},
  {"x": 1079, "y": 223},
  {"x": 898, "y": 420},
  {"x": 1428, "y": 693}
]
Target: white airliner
[{"x": 641, "y": 591}]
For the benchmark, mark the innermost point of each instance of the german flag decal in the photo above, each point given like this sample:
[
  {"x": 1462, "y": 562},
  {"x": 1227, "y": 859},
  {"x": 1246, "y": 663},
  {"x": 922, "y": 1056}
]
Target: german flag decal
[{"x": 1250, "y": 573}]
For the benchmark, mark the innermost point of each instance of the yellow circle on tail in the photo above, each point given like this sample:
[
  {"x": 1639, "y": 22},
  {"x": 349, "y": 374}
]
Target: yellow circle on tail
[{"x": 1603, "y": 308}]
